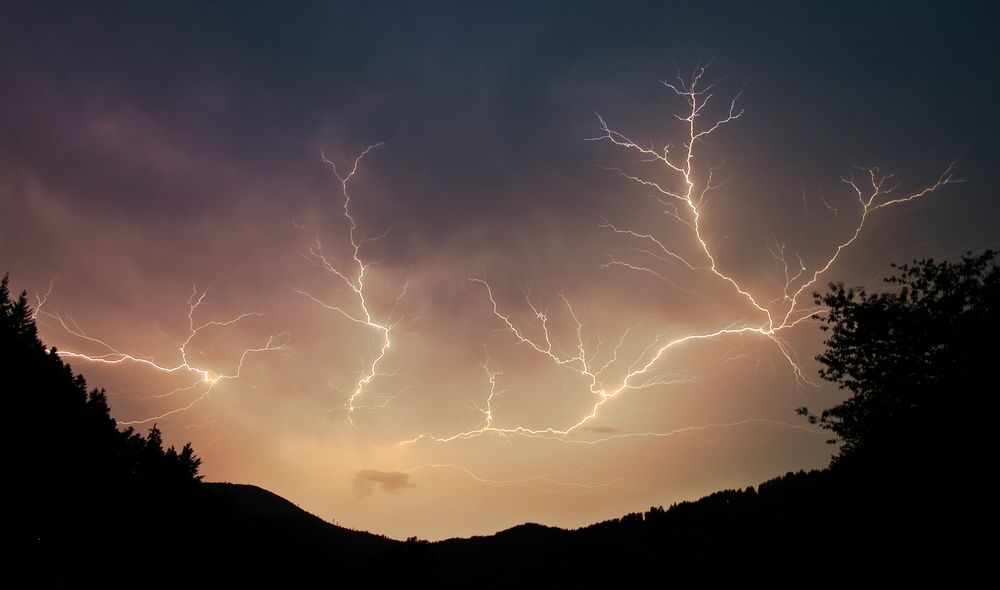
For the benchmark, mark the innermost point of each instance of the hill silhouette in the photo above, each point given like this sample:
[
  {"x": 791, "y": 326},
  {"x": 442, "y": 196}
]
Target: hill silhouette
[
  {"x": 92, "y": 506},
  {"x": 905, "y": 502}
]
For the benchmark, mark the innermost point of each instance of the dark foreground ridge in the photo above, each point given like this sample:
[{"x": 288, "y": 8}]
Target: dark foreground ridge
[{"x": 905, "y": 502}]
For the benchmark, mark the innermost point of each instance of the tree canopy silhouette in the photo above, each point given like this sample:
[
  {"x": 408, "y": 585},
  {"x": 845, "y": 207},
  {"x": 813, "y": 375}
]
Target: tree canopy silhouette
[
  {"x": 89, "y": 505},
  {"x": 916, "y": 358},
  {"x": 76, "y": 476}
]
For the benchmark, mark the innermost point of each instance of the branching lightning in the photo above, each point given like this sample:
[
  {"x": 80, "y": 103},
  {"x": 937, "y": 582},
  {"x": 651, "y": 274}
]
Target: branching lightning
[
  {"x": 684, "y": 202},
  {"x": 205, "y": 378},
  {"x": 354, "y": 280},
  {"x": 604, "y": 370}
]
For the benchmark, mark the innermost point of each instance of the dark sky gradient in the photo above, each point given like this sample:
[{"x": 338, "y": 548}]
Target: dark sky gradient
[
  {"x": 147, "y": 145},
  {"x": 483, "y": 99}
]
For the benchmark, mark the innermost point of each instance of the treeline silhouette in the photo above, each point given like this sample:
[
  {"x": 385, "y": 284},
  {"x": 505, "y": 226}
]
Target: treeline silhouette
[
  {"x": 89, "y": 505},
  {"x": 905, "y": 502},
  {"x": 86, "y": 449},
  {"x": 77, "y": 477}
]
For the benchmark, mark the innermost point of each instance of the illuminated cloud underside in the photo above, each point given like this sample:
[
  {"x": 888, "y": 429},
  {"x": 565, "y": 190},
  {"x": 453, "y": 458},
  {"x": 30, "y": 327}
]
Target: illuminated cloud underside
[
  {"x": 683, "y": 204},
  {"x": 604, "y": 369}
]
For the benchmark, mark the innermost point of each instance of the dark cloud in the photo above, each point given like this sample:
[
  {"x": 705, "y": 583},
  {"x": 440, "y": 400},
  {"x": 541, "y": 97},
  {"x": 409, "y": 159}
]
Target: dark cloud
[
  {"x": 484, "y": 107},
  {"x": 367, "y": 480}
]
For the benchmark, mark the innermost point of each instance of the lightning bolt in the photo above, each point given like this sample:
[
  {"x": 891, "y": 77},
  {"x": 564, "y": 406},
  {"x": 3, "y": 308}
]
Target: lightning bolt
[
  {"x": 354, "y": 280},
  {"x": 683, "y": 202},
  {"x": 42, "y": 298},
  {"x": 204, "y": 378}
]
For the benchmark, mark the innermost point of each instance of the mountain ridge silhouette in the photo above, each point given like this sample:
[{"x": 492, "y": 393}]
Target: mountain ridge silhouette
[{"x": 92, "y": 506}]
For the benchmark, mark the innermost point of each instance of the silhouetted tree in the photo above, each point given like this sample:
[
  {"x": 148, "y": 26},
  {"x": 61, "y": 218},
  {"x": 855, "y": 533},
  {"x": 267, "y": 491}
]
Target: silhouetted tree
[
  {"x": 916, "y": 359},
  {"x": 75, "y": 476}
]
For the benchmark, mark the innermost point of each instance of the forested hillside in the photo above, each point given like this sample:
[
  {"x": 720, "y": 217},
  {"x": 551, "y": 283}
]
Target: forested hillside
[{"x": 905, "y": 502}]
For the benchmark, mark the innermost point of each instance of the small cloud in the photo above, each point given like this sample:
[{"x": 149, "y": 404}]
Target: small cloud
[
  {"x": 599, "y": 429},
  {"x": 391, "y": 482}
]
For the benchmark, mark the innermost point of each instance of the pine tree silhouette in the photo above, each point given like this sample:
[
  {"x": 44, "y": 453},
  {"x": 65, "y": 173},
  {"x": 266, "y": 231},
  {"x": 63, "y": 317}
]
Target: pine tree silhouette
[{"x": 74, "y": 478}]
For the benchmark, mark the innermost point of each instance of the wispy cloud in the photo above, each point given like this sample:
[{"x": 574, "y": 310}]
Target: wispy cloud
[{"x": 367, "y": 480}]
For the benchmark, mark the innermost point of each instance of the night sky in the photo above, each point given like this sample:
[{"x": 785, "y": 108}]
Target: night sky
[{"x": 149, "y": 151}]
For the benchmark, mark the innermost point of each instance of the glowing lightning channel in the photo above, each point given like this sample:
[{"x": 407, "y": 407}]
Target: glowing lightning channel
[
  {"x": 205, "y": 377},
  {"x": 685, "y": 204},
  {"x": 42, "y": 298},
  {"x": 355, "y": 281}
]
